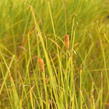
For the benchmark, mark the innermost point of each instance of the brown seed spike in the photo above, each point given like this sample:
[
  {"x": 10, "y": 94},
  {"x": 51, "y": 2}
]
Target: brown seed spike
[
  {"x": 66, "y": 41},
  {"x": 41, "y": 64}
]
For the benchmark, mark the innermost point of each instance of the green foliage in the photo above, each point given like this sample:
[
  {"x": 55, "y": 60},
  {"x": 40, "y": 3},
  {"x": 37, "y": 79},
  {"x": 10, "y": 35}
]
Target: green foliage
[{"x": 74, "y": 78}]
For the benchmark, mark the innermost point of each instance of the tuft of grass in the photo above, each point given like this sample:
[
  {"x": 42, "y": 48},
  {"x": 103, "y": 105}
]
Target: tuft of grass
[{"x": 54, "y": 54}]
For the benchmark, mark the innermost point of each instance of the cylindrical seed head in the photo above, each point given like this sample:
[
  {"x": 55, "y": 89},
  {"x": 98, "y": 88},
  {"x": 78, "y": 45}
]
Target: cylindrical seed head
[
  {"x": 66, "y": 41},
  {"x": 41, "y": 64}
]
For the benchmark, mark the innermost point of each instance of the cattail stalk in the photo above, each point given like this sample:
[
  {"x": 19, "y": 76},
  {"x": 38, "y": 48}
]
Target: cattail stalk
[
  {"x": 66, "y": 41},
  {"x": 41, "y": 64}
]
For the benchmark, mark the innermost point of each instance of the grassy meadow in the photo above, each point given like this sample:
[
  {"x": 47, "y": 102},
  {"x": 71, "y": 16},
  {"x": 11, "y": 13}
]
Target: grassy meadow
[{"x": 54, "y": 54}]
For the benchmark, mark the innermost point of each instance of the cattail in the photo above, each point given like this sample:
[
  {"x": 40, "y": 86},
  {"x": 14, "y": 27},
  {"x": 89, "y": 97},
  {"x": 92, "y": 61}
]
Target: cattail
[
  {"x": 66, "y": 41},
  {"x": 41, "y": 64}
]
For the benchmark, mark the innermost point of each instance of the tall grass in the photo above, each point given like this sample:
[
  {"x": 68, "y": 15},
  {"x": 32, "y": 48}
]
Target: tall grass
[{"x": 54, "y": 54}]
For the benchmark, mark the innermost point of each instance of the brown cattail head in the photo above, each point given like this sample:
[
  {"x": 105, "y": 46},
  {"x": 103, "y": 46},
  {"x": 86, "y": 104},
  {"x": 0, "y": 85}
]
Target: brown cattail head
[
  {"x": 66, "y": 41},
  {"x": 41, "y": 64}
]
